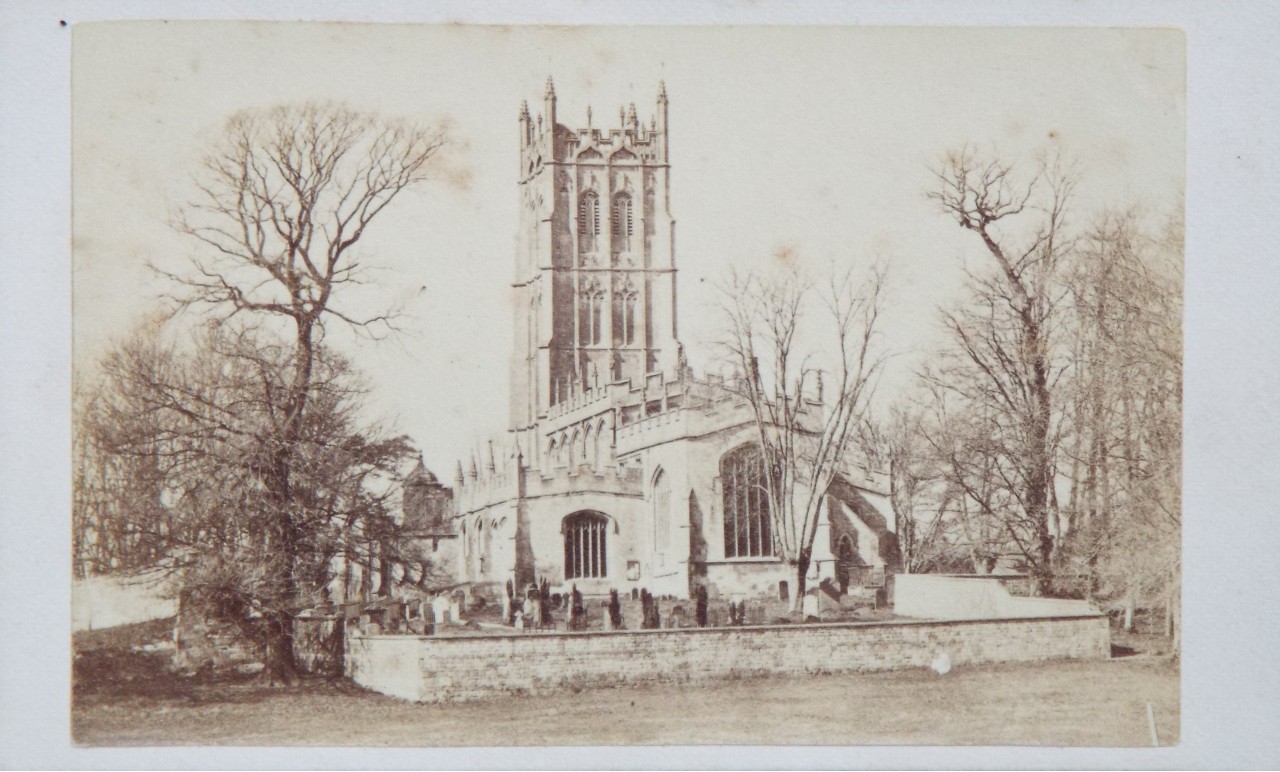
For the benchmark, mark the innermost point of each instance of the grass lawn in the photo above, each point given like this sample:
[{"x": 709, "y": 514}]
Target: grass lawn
[{"x": 127, "y": 697}]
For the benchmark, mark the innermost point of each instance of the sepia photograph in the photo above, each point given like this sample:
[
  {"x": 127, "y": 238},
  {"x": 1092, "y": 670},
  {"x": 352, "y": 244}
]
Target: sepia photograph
[{"x": 453, "y": 385}]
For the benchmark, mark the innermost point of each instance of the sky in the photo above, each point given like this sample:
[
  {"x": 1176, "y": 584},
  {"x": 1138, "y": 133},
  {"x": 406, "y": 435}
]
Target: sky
[{"x": 817, "y": 141}]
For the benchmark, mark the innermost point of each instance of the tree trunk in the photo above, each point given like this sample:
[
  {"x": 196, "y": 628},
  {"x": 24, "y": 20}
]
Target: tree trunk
[
  {"x": 797, "y": 594},
  {"x": 280, "y": 666}
]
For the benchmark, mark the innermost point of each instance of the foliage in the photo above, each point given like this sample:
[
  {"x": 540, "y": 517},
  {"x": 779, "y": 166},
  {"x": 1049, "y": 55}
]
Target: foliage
[
  {"x": 267, "y": 454},
  {"x": 206, "y": 427}
]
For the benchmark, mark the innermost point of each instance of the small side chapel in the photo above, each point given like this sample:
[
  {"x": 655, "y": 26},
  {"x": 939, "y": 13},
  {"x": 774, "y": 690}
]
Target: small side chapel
[{"x": 620, "y": 469}]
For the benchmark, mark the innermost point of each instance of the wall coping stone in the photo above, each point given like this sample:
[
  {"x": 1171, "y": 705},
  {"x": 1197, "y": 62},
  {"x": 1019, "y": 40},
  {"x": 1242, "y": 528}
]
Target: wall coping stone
[{"x": 798, "y": 626}]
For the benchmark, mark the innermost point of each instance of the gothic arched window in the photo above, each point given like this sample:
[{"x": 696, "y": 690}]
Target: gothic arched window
[
  {"x": 585, "y": 548},
  {"x": 588, "y": 221},
  {"x": 590, "y": 308},
  {"x": 626, "y": 314},
  {"x": 622, "y": 222},
  {"x": 748, "y": 530}
]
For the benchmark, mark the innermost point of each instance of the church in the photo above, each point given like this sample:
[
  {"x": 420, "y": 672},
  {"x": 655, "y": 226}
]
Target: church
[{"x": 620, "y": 469}]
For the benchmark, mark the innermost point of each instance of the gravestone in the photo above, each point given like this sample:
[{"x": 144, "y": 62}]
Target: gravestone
[
  {"x": 810, "y": 605},
  {"x": 440, "y": 608}
]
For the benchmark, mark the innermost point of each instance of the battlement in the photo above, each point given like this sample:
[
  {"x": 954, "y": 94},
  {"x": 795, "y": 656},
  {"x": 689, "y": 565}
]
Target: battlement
[
  {"x": 582, "y": 478},
  {"x": 653, "y": 395},
  {"x": 544, "y": 139}
]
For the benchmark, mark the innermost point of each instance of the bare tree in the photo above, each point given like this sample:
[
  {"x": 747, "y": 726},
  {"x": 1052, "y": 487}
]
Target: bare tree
[
  {"x": 285, "y": 201},
  {"x": 806, "y": 419},
  {"x": 924, "y": 501},
  {"x": 1004, "y": 362},
  {"x": 1124, "y": 447}
]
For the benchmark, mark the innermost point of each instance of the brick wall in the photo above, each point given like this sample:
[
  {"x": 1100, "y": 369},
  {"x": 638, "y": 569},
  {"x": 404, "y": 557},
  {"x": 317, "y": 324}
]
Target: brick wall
[{"x": 441, "y": 669}]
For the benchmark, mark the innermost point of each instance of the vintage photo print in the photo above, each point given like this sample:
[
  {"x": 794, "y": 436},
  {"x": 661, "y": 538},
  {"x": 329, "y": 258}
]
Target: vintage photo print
[{"x": 453, "y": 385}]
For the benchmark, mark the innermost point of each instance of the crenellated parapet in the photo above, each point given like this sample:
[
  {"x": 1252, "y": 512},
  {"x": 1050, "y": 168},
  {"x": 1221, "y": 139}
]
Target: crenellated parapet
[{"x": 544, "y": 139}]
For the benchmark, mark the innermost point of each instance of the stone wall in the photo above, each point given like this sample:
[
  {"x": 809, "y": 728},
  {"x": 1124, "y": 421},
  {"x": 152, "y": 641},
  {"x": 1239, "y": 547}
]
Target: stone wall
[
  {"x": 441, "y": 669},
  {"x": 108, "y": 601},
  {"x": 938, "y": 596}
]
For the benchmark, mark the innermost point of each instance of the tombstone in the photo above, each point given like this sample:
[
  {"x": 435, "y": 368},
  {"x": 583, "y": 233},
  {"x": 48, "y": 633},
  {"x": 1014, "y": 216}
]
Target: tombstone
[
  {"x": 809, "y": 606},
  {"x": 635, "y": 594},
  {"x": 737, "y": 611},
  {"x": 577, "y": 609},
  {"x": 700, "y": 607},
  {"x": 545, "y": 619},
  {"x": 615, "y": 611},
  {"x": 519, "y": 620},
  {"x": 440, "y": 608},
  {"x": 676, "y": 618}
]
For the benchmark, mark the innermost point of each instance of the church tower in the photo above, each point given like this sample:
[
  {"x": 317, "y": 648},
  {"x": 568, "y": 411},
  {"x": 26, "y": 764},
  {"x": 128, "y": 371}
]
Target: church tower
[{"x": 594, "y": 285}]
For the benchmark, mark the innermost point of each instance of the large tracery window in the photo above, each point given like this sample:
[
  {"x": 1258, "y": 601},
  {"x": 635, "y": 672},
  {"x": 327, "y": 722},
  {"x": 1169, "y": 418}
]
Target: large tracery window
[
  {"x": 588, "y": 221},
  {"x": 748, "y": 529},
  {"x": 585, "y": 546}
]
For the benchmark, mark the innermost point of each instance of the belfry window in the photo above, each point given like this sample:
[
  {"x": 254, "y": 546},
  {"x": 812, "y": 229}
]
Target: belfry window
[
  {"x": 585, "y": 548},
  {"x": 622, "y": 222},
  {"x": 590, "y": 309},
  {"x": 748, "y": 531},
  {"x": 588, "y": 221}
]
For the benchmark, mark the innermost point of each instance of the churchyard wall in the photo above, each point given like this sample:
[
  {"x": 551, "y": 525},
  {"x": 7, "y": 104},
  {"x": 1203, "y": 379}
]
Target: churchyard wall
[
  {"x": 108, "y": 601},
  {"x": 445, "y": 669},
  {"x": 938, "y": 596}
]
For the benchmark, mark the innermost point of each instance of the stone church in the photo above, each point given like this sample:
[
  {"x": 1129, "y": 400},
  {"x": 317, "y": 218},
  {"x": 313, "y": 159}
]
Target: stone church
[{"x": 620, "y": 469}]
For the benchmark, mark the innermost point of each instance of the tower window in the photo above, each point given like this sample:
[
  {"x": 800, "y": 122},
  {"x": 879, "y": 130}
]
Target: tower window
[
  {"x": 748, "y": 531},
  {"x": 626, "y": 314},
  {"x": 588, "y": 221},
  {"x": 590, "y": 310},
  {"x": 585, "y": 548},
  {"x": 622, "y": 222}
]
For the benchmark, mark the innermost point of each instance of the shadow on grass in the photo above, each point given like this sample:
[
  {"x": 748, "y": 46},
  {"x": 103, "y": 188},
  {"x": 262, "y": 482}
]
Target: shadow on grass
[{"x": 134, "y": 663}]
